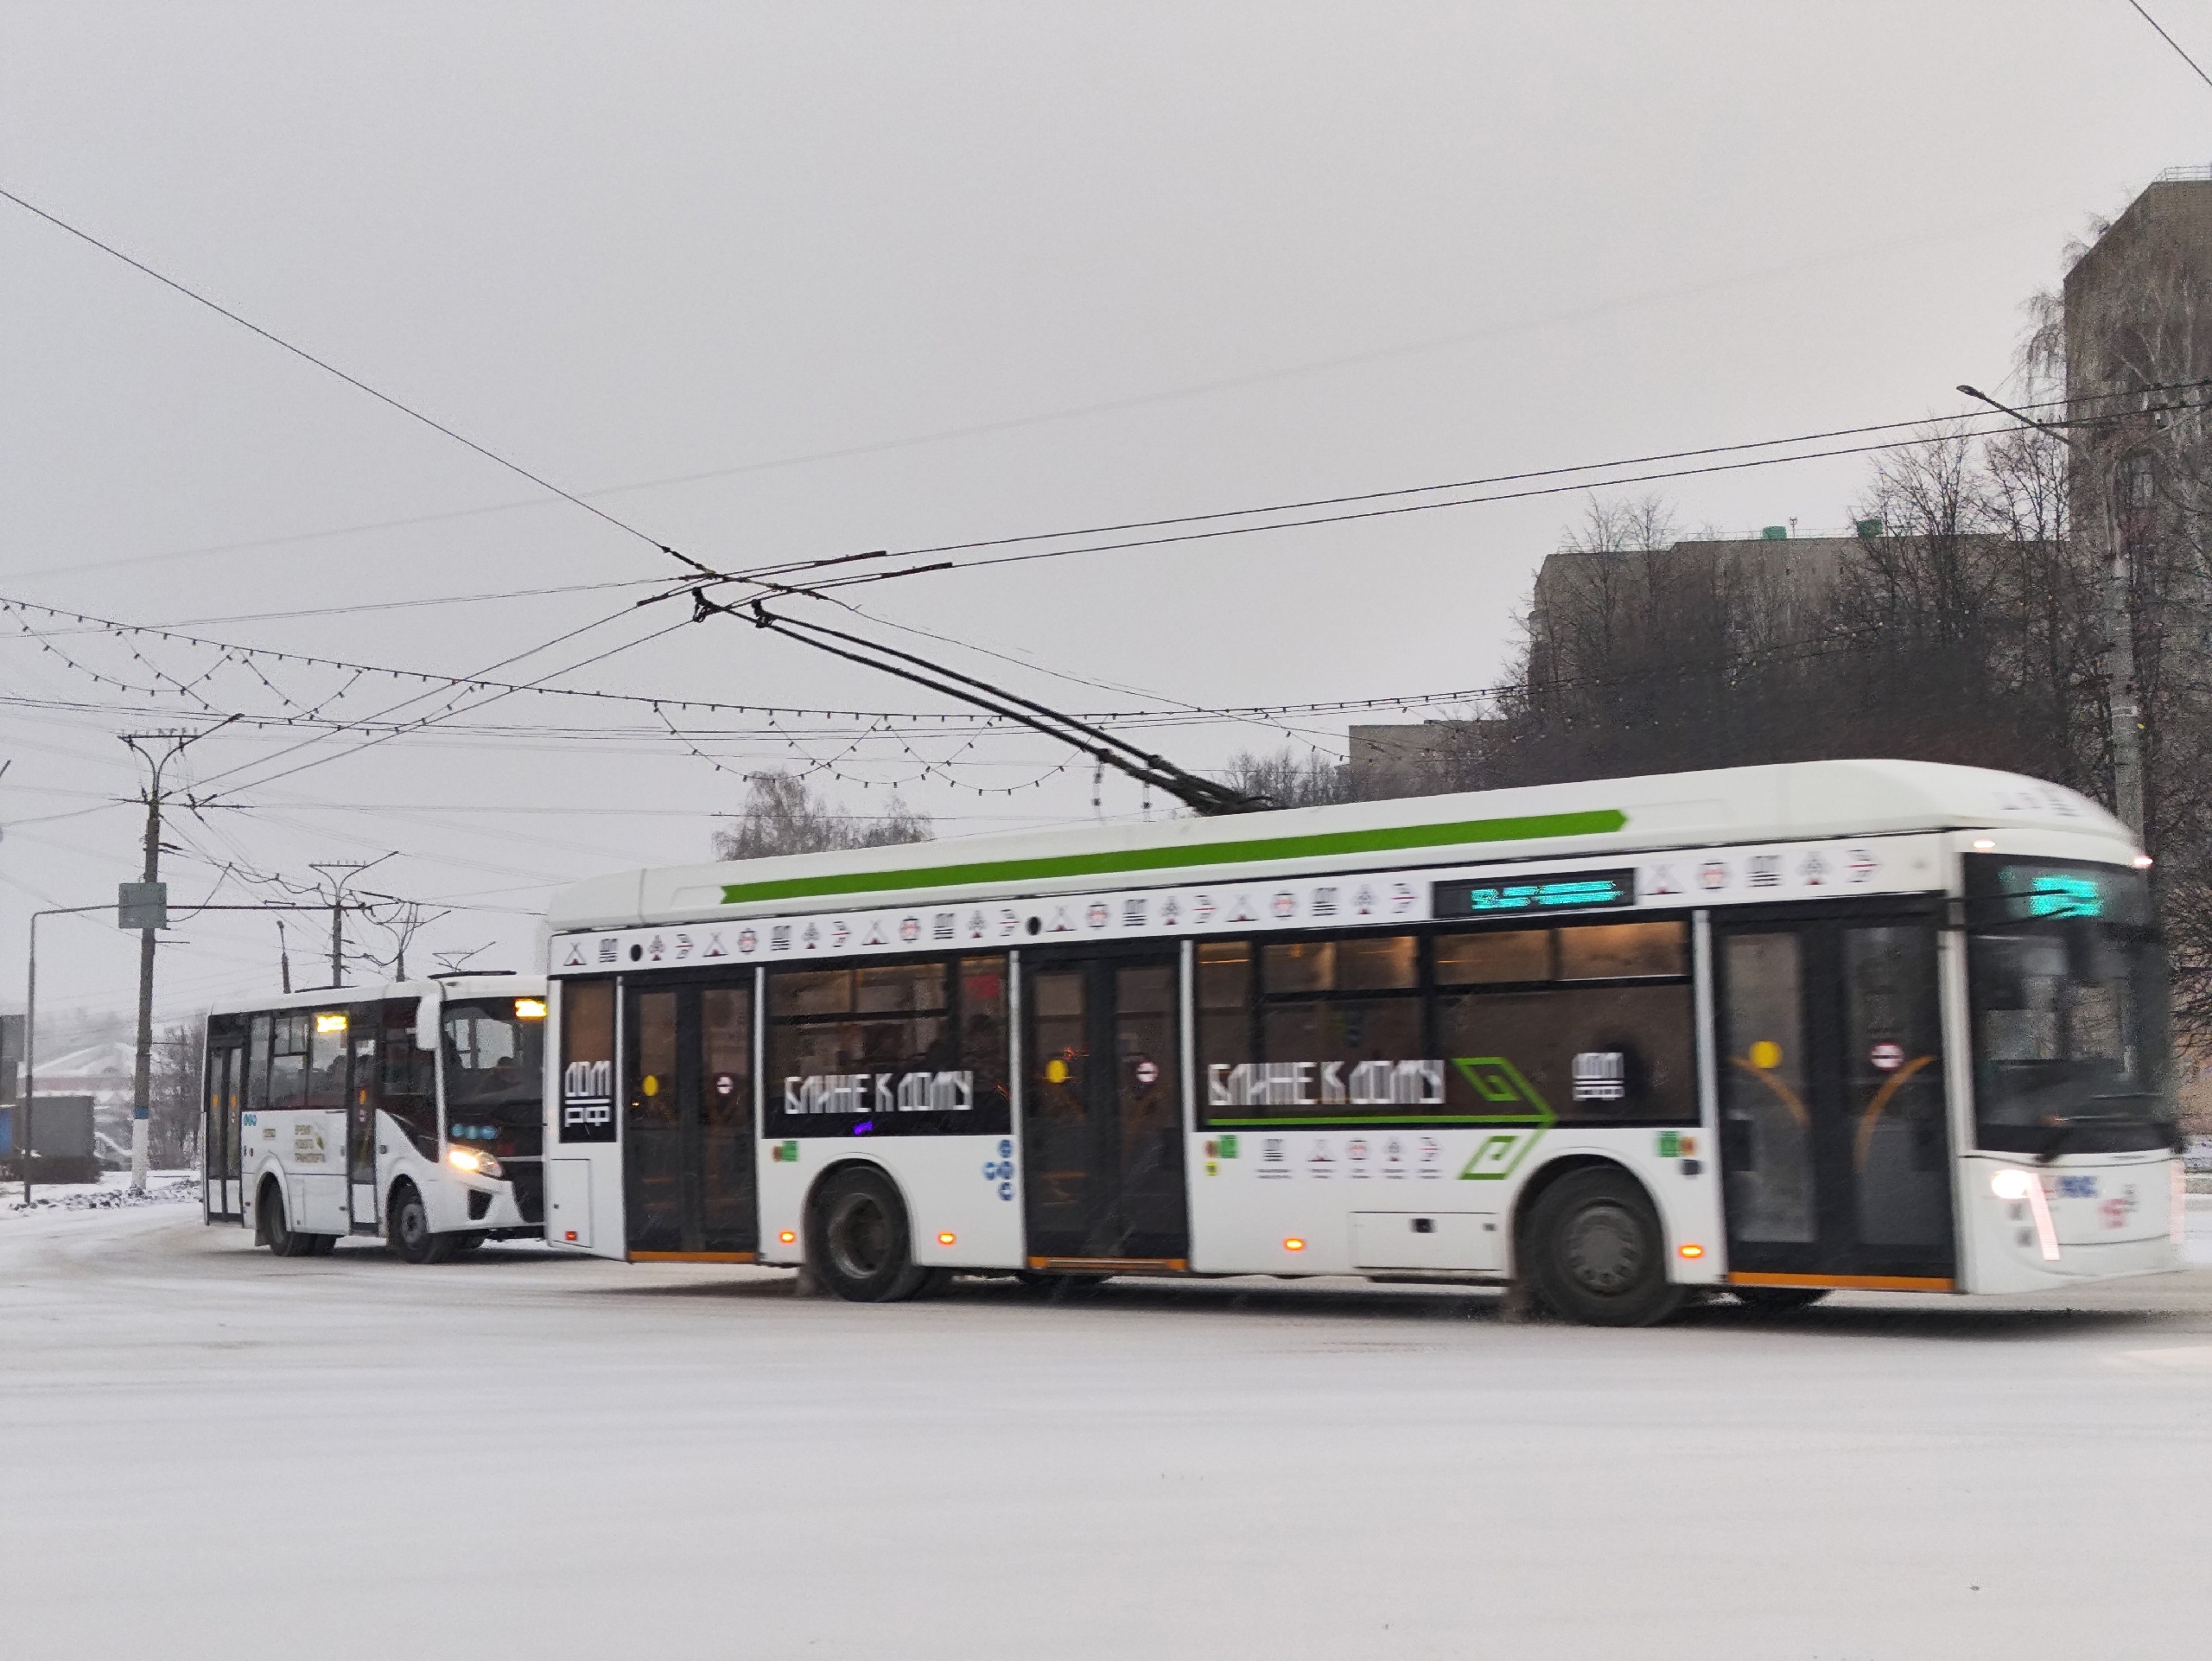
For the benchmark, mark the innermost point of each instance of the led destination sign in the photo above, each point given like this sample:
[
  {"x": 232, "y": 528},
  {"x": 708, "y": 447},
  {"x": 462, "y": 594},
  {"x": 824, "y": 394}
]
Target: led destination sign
[{"x": 1505, "y": 896}]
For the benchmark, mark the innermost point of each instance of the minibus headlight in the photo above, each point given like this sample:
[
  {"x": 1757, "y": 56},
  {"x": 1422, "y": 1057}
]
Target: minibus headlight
[
  {"x": 2010, "y": 1183},
  {"x": 474, "y": 1161}
]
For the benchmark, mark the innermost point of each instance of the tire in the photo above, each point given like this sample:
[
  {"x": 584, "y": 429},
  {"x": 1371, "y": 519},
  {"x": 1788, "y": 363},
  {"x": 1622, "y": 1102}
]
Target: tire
[
  {"x": 1777, "y": 1299},
  {"x": 322, "y": 1244},
  {"x": 858, "y": 1240},
  {"x": 275, "y": 1231},
  {"x": 466, "y": 1242},
  {"x": 1595, "y": 1253},
  {"x": 407, "y": 1227}
]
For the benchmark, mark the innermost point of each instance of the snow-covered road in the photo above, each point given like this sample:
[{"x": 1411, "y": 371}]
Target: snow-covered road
[{"x": 207, "y": 1452}]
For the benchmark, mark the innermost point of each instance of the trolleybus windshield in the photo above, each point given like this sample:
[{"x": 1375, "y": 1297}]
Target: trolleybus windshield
[{"x": 2068, "y": 991}]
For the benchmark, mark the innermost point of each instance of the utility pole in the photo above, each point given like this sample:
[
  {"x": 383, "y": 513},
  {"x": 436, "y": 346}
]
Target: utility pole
[
  {"x": 2125, "y": 697},
  {"x": 143, "y": 905},
  {"x": 339, "y": 872}
]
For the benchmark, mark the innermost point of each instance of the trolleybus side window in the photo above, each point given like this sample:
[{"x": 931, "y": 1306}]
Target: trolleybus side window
[
  {"x": 1605, "y": 1033},
  {"x": 888, "y": 1049},
  {"x": 1592, "y": 1023},
  {"x": 1315, "y": 1031}
]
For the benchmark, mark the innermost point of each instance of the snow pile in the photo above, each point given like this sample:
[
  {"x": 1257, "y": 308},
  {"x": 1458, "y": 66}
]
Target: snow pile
[
  {"x": 2198, "y": 1158},
  {"x": 113, "y": 1198}
]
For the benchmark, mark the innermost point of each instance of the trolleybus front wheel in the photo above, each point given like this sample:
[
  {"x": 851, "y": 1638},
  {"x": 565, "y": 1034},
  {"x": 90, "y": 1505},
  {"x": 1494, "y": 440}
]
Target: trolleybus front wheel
[
  {"x": 858, "y": 1239},
  {"x": 1596, "y": 1253},
  {"x": 408, "y": 1228}
]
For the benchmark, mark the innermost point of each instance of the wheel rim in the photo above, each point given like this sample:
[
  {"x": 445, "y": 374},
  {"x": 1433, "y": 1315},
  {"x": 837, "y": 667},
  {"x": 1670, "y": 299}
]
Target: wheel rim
[
  {"x": 414, "y": 1227},
  {"x": 859, "y": 1236},
  {"x": 1604, "y": 1250}
]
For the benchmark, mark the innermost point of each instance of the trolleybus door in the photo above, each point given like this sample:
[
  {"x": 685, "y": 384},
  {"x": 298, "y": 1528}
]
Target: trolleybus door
[
  {"x": 1834, "y": 1145},
  {"x": 1102, "y": 1108},
  {"x": 688, "y": 1135}
]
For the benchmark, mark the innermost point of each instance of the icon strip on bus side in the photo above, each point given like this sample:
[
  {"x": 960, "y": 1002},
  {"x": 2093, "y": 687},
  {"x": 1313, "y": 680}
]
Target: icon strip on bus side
[{"x": 1675, "y": 880}]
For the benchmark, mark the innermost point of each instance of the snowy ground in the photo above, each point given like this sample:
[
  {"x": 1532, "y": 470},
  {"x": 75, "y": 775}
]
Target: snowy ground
[{"x": 207, "y": 1452}]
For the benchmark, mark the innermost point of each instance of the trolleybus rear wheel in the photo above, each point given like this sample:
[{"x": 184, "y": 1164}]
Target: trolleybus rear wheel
[
  {"x": 1596, "y": 1253},
  {"x": 859, "y": 1241},
  {"x": 408, "y": 1227}
]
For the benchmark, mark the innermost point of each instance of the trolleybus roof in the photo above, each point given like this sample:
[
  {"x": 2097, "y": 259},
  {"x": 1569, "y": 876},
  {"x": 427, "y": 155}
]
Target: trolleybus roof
[{"x": 1791, "y": 801}]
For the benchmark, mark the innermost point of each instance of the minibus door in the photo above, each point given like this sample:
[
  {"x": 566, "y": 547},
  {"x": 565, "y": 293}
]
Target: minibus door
[
  {"x": 1102, "y": 1110},
  {"x": 220, "y": 1141},
  {"x": 688, "y": 1133},
  {"x": 361, "y": 1121},
  {"x": 1834, "y": 1144}
]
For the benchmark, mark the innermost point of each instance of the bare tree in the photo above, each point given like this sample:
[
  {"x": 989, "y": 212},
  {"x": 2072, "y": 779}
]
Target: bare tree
[
  {"x": 1291, "y": 780},
  {"x": 174, "y": 1096},
  {"x": 783, "y": 815}
]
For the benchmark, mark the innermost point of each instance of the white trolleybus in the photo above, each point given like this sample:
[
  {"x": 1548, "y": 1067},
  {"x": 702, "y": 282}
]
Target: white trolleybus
[
  {"x": 1851, "y": 1024},
  {"x": 415, "y": 1111}
]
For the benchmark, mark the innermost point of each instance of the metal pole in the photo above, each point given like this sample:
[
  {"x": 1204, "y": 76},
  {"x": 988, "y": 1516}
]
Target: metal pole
[
  {"x": 2120, "y": 651},
  {"x": 30, "y": 1060},
  {"x": 141, "y": 1110},
  {"x": 338, "y": 872}
]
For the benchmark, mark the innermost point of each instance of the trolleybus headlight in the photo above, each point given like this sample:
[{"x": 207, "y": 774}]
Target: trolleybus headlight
[{"x": 474, "y": 1161}]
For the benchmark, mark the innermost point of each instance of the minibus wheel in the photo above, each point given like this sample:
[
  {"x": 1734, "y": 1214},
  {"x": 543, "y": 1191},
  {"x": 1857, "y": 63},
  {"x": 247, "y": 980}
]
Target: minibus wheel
[
  {"x": 1596, "y": 1253},
  {"x": 281, "y": 1240},
  {"x": 858, "y": 1239},
  {"x": 407, "y": 1226}
]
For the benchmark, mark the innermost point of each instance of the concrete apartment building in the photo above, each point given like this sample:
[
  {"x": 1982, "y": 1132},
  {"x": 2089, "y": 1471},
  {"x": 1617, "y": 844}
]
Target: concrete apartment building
[
  {"x": 2138, "y": 319},
  {"x": 2138, "y": 314}
]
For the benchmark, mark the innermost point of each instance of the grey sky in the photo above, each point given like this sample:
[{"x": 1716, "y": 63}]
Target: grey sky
[{"x": 1294, "y": 251}]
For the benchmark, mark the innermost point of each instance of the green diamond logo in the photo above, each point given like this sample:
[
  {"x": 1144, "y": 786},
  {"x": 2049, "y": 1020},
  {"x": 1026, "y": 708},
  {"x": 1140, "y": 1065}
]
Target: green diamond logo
[{"x": 1523, "y": 1117}]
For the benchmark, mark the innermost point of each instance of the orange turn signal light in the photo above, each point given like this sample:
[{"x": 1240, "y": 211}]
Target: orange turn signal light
[
  {"x": 1691, "y": 1250},
  {"x": 786, "y": 1238},
  {"x": 1293, "y": 1243},
  {"x": 948, "y": 1239}
]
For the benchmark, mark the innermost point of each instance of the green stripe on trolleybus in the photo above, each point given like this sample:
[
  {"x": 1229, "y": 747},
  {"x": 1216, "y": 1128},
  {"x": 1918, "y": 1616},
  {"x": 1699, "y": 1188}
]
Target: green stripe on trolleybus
[{"x": 1394, "y": 839}]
